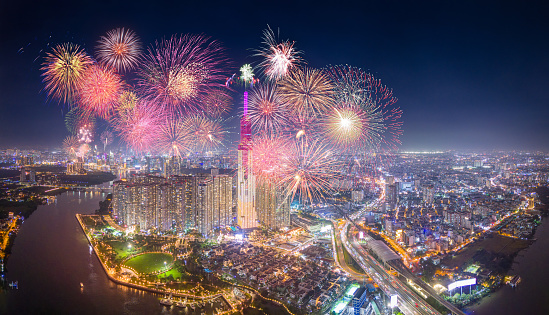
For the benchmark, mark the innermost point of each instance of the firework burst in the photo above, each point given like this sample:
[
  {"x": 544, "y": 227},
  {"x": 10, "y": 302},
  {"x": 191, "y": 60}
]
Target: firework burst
[
  {"x": 139, "y": 129},
  {"x": 173, "y": 138},
  {"x": 278, "y": 57},
  {"x": 85, "y": 133},
  {"x": 100, "y": 91},
  {"x": 204, "y": 134},
  {"x": 63, "y": 70},
  {"x": 176, "y": 72},
  {"x": 268, "y": 155},
  {"x": 70, "y": 145},
  {"x": 75, "y": 119},
  {"x": 308, "y": 170},
  {"x": 307, "y": 92},
  {"x": 120, "y": 49},
  {"x": 217, "y": 102},
  {"x": 365, "y": 112},
  {"x": 267, "y": 110}
]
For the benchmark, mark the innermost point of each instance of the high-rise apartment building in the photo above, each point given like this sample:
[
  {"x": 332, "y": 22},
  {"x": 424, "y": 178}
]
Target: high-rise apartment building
[
  {"x": 273, "y": 207},
  {"x": 201, "y": 202}
]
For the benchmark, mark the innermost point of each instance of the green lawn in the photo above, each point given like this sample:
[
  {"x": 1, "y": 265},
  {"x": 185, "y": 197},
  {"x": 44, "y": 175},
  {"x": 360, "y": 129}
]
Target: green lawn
[
  {"x": 150, "y": 262},
  {"x": 176, "y": 274}
]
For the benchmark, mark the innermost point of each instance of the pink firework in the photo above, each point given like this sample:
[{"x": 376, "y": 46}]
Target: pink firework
[
  {"x": 269, "y": 153},
  {"x": 120, "y": 49},
  {"x": 176, "y": 72},
  {"x": 267, "y": 110},
  {"x": 279, "y": 57},
  {"x": 100, "y": 91},
  {"x": 139, "y": 130}
]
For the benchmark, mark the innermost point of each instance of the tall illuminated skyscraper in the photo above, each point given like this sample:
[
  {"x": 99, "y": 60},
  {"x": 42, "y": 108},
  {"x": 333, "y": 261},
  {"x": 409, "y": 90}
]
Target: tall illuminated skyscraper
[{"x": 246, "y": 211}]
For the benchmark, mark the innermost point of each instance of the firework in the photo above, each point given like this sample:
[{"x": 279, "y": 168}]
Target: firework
[
  {"x": 126, "y": 103},
  {"x": 76, "y": 118},
  {"x": 120, "y": 49},
  {"x": 365, "y": 112},
  {"x": 100, "y": 91},
  {"x": 217, "y": 102},
  {"x": 83, "y": 150},
  {"x": 139, "y": 128},
  {"x": 107, "y": 138},
  {"x": 173, "y": 138},
  {"x": 204, "y": 134},
  {"x": 176, "y": 72},
  {"x": 63, "y": 70},
  {"x": 308, "y": 170},
  {"x": 307, "y": 92},
  {"x": 70, "y": 145},
  {"x": 246, "y": 73},
  {"x": 268, "y": 155},
  {"x": 85, "y": 134},
  {"x": 267, "y": 111},
  {"x": 278, "y": 57}
]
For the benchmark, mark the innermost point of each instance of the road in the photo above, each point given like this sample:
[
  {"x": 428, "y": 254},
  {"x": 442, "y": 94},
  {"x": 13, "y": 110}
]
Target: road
[
  {"x": 339, "y": 257},
  {"x": 408, "y": 301}
]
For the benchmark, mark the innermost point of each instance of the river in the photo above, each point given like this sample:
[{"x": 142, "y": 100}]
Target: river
[
  {"x": 51, "y": 257},
  {"x": 532, "y": 294}
]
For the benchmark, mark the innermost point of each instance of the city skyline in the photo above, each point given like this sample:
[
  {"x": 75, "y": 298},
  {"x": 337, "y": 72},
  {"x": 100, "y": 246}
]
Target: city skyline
[{"x": 471, "y": 79}]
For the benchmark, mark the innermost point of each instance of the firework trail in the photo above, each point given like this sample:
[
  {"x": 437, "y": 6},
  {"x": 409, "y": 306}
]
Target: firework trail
[
  {"x": 177, "y": 72},
  {"x": 76, "y": 118},
  {"x": 107, "y": 137},
  {"x": 139, "y": 129},
  {"x": 278, "y": 57},
  {"x": 63, "y": 70},
  {"x": 173, "y": 138},
  {"x": 364, "y": 116},
  {"x": 267, "y": 110},
  {"x": 99, "y": 91},
  {"x": 307, "y": 92},
  {"x": 204, "y": 134},
  {"x": 70, "y": 145},
  {"x": 308, "y": 170},
  {"x": 120, "y": 49},
  {"x": 217, "y": 102}
]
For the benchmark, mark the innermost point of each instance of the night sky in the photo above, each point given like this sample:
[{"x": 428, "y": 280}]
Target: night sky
[{"x": 468, "y": 75}]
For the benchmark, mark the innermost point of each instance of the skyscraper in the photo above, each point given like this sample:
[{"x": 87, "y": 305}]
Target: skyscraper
[{"x": 246, "y": 211}]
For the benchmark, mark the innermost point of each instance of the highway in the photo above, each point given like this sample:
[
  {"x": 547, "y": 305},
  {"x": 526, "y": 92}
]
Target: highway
[
  {"x": 408, "y": 301},
  {"x": 339, "y": 257}
]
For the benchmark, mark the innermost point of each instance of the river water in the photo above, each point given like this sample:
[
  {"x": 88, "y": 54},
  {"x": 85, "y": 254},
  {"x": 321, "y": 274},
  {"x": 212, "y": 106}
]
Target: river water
[
  {"x": 51, "y": 257},
  {"x": 532, "y": 294}
]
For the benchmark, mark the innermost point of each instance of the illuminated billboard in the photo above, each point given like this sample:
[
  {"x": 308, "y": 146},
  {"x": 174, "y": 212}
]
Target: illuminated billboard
[
  {"x": 394, "y": 299},
  {"x": 462, "y": 283}
]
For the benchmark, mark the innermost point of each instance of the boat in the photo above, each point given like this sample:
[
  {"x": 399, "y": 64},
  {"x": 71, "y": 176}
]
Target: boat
[
  {"x": 192, "y": 306},
  {"x": 167, "y": 301},
  {"x": 180, "y": 304},
  {"x": 81, "y": 285}
]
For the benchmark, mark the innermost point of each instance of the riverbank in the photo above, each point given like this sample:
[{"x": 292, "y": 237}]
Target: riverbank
[
  {"x": 121, "y": 279},
  {"x": 530, "y": 296}
]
